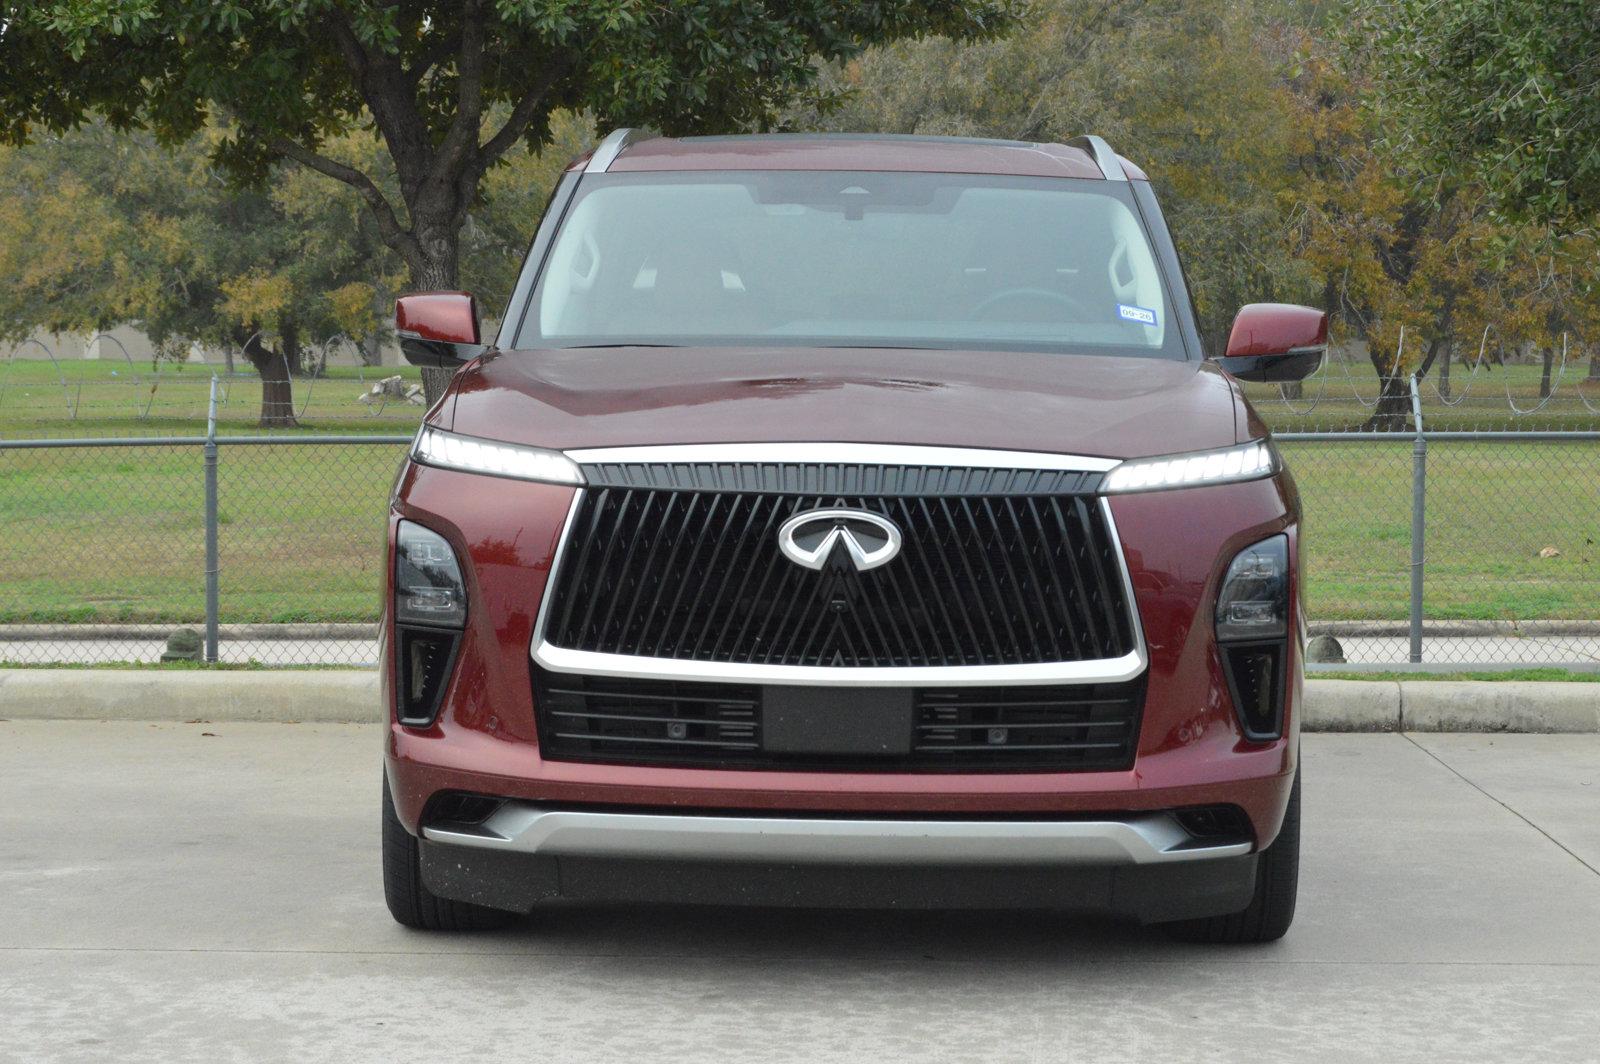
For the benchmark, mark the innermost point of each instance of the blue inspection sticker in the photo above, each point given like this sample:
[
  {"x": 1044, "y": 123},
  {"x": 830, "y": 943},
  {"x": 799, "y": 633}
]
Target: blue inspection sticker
[{"x": 1142, "y": 315}]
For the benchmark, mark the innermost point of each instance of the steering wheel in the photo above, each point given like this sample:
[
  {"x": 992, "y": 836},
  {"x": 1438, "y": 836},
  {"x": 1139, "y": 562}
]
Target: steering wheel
[{"x": 1006, "y": 295}]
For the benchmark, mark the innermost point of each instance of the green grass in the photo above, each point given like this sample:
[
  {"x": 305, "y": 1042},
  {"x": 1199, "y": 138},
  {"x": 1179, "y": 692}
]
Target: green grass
[
  {"x": 1551, "y": 675},
  {"x": 115, "y": 535},
  {"x": 108, "y": 535},
  {"x": 1492, "y": 507}
]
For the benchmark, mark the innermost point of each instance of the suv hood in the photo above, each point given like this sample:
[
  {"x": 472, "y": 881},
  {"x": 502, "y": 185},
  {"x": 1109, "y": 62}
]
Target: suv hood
[{"x": 1114, "y": 407}]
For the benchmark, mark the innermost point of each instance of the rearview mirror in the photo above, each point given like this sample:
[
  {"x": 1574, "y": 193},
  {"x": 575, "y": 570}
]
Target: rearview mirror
[
  {"x": 438, "y": 328},
  {"x": 1276, "y": 342}
]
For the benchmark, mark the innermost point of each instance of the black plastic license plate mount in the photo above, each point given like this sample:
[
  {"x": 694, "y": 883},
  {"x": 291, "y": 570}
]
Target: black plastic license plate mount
[{"x": 840, "y": 721}]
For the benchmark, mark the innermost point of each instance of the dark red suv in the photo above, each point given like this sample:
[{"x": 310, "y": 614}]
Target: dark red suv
[{"x": 847, "y": 520}]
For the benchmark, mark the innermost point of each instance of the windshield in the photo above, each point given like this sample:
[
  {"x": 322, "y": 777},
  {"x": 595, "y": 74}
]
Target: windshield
[{"x": 829, "y": 258}]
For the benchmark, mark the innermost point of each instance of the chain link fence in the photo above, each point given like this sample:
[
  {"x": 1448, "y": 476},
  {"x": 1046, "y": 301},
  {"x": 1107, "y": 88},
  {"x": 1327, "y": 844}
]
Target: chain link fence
[
  {"x": 1510, "y": 547},
  {"x": 105, "y": 546}
]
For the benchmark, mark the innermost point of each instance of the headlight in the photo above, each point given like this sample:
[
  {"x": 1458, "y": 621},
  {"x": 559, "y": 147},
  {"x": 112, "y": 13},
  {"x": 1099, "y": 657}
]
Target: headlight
[
  {"x": 451, "y": 451},
  {"x": 428, "y": 588},
  {"x": 1254, "y": 600},
  {"x": 430, "y": 608},
  {"x": 1248, "y": 462}
]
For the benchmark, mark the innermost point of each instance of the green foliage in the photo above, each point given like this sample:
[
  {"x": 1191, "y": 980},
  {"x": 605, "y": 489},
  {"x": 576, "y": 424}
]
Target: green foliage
[
  {"x": 291, "y": 76},
  {"x": 1501, "y": 94},
  {"x": 98, "y": 229}
]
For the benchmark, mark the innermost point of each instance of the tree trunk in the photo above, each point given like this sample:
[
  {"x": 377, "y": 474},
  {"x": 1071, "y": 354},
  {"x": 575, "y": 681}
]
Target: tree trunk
[
  {"x": 437, "y": 272},
  {"x": 1594, "y": 363},
  {"x": 293, "y": 354},
  {"x": 1549, "y": 356},
  {"x": 277, "y": 388},
  {"x": 1393, "y": 412}
]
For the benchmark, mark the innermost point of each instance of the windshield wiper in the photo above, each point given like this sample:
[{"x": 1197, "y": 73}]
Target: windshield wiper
[{"x": 585, "y": 347}]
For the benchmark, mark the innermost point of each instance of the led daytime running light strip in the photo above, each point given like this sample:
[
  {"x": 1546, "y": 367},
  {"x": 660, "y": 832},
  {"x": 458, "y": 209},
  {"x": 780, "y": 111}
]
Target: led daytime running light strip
[
  {"x": 1249, "y": 462},
  {"x": 446, "y": 449}
]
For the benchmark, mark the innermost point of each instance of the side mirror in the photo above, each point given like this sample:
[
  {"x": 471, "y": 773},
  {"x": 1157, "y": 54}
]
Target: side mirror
[
  {"x": 438, "y": 328},
  {"x": 1276, "y": 342}
]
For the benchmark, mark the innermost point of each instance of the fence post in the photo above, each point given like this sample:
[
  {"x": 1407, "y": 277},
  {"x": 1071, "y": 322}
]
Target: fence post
[
  {"x": 211, "y": 524},
  {"x": 1419, "y": 519}
]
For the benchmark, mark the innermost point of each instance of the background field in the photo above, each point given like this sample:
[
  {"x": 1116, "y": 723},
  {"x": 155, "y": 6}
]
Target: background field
[
  {"x": 115, "y": 398},
  {"x": 107, "y": 534},
  {"x": 40, "y": 399}
]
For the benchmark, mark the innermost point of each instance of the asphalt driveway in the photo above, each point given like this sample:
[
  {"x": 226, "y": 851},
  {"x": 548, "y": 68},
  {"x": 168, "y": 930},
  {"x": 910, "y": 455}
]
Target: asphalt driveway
[{"x": 195, "y": 892}]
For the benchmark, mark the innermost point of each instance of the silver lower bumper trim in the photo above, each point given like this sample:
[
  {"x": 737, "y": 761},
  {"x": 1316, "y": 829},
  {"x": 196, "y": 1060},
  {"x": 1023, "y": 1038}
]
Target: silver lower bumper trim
[{"x": 1146, "y": 838}]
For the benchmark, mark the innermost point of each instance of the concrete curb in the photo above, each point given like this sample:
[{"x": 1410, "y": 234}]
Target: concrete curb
[
  {"x": 350, "y": 695},
  {"x": 1445, "y": 706},
  {"x": 322, "y": 695},
  {"x": 1332, "y": 706}
]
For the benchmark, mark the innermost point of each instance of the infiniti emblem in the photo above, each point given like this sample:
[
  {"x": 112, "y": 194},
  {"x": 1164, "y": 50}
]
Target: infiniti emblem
[{"x": 810, "y": 538}]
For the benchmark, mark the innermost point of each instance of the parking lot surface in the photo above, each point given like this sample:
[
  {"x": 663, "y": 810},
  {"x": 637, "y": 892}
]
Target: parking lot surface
[{"x": 198, "y": 892}]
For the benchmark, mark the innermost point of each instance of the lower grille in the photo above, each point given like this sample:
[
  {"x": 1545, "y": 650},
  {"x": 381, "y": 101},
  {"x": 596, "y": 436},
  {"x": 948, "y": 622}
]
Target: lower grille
[
  {"x": 692, "y": 724},
  {"x": 1089, "y": 726},
  {"x": 591, "y": 719}
]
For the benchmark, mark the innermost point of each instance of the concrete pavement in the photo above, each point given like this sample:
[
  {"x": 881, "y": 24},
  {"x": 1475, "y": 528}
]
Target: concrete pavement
[{"x": 172, "y": 895}]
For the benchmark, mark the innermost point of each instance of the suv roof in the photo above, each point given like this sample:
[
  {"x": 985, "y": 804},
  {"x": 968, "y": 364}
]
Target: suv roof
[{"x": 1084, "y": 157}]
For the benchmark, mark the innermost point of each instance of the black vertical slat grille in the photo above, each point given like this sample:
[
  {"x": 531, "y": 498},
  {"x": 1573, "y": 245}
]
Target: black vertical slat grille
[{"x": 697, "y": 575}]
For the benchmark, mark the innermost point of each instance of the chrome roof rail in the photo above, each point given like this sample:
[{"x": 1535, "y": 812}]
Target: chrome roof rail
[
  {"x": 606, "y": 152},
  {"x": 1104, "y": 157}
]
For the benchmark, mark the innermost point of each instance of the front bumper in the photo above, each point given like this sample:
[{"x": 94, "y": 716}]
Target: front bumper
[
  {"x": 523, "y": 827},
  {"x": 1144, "y": 866}
]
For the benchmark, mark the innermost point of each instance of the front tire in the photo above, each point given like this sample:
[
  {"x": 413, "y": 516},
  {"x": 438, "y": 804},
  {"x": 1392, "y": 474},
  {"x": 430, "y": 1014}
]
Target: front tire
[
  {"x": 410, "y": 901},
  {"x": 1271, "y": 910}
]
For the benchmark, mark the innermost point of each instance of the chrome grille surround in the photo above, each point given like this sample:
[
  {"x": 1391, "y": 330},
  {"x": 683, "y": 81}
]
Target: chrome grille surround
[{"x": 1005, "y": 470}]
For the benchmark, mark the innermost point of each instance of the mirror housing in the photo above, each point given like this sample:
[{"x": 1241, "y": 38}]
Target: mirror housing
[
  {"x": 1276, "y": 342},
  {"x": 438, "y": 329}
]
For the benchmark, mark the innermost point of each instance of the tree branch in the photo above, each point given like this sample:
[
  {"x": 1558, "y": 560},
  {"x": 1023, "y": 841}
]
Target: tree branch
[
  {"x": 394, "y": 234},
  {"x": 524, "y": 110},
  {"x": 392, "y": 101},
  {"x": 462, "y": 137},
  {"x": 432, "y": 56},
  {"x": 355, "y": 56}
]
